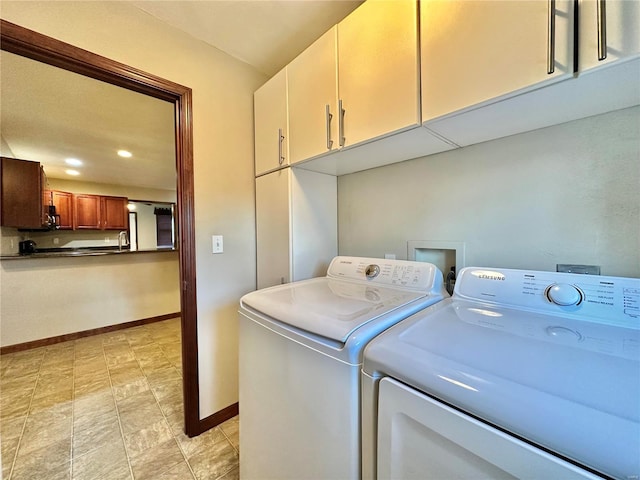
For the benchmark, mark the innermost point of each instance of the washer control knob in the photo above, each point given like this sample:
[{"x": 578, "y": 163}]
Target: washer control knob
[
  {"x": 564, "y": 294},
  {"x": 372, "y": 271}
]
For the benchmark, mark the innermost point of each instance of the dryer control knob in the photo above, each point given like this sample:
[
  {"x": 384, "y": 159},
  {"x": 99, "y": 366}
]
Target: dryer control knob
[
  {"x": 372, "y": 271},
  {"x": 564, "y": 294}
]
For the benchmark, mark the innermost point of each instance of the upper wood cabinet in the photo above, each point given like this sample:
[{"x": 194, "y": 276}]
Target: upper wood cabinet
[
  {"x": 23, "y": 184},
  {"x": 95, "y": 212},
  {"x": 608, "y": 31},
  {"x": 313, "y": 99},
  {"x": 270, "y": 119},
  {"x": 114, "y": 213},
  {"x": 378, "y": 70},
  {"x": 63, "y": 201},
  {"x": 473, "y": 52},
  {"x": 86, "y": 212}
]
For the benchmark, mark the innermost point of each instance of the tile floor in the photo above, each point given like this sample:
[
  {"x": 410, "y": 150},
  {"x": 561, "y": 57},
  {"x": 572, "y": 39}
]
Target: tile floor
[{"x": 106, "y": 407}]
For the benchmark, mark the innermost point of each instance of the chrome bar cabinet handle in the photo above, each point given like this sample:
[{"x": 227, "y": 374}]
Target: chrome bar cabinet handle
[
  {"x": 601, "y": 7},
  {"x": 328, "y": 118},
  {"x": 341, "y": 112},
  {"x": 280, "y": 139},
  {"x": 551, "y": 37}
]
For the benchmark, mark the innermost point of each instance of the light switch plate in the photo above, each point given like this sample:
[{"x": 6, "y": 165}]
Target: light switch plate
[{"x": 216, "y": 240}]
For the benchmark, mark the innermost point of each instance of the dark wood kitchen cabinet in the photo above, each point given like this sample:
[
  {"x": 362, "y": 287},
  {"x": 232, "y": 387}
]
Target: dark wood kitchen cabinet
[
  {"x": 23, "y": 185},
  {"x": 63, "y": 201},
  {"x": 95, "y": 212},
  {"x": 86, "y": 212},
  {"x": 114, "y": 213}
]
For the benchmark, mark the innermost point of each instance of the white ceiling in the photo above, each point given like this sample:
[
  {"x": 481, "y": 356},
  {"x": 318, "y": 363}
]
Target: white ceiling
[
  {"x": 263, "y": 33},
  {"x": 49, "y": 114}
]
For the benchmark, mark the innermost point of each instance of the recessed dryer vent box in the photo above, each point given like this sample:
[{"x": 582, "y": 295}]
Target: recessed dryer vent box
[
  {"x": 582, "y": 269},
  {"x": 443, "y": 255}
]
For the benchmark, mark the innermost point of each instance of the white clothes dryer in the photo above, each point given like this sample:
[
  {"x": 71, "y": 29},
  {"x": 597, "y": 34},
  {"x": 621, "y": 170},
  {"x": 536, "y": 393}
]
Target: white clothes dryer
[
  {"x": 520, "y": 374},
  {"x": 300, "y": 361}
]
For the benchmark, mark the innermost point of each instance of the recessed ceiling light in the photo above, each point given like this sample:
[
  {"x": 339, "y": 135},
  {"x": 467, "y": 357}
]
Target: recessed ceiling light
[
  {"x": 125, "y": 154},
  {"x": 73, "y": 161},
  {"x": 74, "y": 173}
]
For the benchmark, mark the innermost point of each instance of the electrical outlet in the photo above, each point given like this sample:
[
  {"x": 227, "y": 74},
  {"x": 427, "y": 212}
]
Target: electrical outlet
[
  {"x": 390, "y": 256},
  {"x": 56, "y": 240},
  {"x": 216, "y": 241}
]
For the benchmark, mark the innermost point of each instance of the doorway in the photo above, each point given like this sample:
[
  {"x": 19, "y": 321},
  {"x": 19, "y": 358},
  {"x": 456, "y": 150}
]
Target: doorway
[{"x": 30, "y": 44}]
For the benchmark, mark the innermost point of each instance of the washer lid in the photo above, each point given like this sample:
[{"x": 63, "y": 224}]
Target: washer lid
[
  {"x": 328, "y": 307},
  {"x": 570, "y": 386}
]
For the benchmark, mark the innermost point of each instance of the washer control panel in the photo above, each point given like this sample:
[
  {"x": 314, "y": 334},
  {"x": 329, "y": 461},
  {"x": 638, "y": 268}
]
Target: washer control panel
[
  {"x": 614, "y": 300},
  {"x": 411, "y": 275}
]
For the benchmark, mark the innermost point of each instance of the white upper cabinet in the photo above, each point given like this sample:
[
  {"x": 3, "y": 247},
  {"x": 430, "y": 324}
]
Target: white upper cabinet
[
  {"x": 609, "y": 30},
  {"x": 355, "y": 93},
  {"x": 385, "y": 86},
  {"x": 270, "y": 117},
  {"x": 378, "y": 70},
  {"x": 485, "y": 65},
  {"x": 477, "y": 51},
  {"x": 313, "y": 99}
]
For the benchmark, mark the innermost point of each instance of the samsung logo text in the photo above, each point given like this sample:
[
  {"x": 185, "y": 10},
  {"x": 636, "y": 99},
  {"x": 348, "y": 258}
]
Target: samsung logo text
[{"x": 488, "y": 275}]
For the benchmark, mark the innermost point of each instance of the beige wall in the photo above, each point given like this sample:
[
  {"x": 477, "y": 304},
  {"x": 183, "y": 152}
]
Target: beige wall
[
  {"x": 46, "y": 297},
  {"x": 223, "y": 157},
  {"x": 564, "y": 194}
]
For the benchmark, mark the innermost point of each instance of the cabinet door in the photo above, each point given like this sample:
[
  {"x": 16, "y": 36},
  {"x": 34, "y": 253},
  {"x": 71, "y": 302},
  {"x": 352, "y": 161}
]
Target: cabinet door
[
  {"x": 270, "y": 117},
  {"x": 378, "y": 69},
  {"x": 273, "y": 228},
  {"x": 46, "y": 199},
  {"x": 114, "y": 213},
  {"x": 22, "y": 194},
  {"x": 86, "y": 212},
  {"x": 475, "y": 51},
  {"x": 618, "y": 30},
  {"x": 313, "y": 100},
  {"x": 64, "y": 207}
]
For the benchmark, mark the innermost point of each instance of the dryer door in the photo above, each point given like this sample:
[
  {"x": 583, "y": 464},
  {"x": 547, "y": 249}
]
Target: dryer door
[{"x": 420, "y": 438}]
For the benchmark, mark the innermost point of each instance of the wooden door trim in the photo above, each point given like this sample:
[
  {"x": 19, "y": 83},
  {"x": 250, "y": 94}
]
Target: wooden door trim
[{"x": 30, "y": 44}]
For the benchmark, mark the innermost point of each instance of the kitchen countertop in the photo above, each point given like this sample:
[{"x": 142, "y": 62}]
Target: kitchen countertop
[{"x": 79, "y": 252}]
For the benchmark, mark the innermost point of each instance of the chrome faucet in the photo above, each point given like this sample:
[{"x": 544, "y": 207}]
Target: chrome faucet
[{"x": 123, "y": 239}]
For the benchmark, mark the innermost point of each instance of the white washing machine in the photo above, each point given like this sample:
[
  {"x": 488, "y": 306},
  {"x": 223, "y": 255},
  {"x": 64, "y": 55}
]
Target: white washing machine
[
  {"x": 300, "y": 360},
  {"x": 520, "y": 374}
]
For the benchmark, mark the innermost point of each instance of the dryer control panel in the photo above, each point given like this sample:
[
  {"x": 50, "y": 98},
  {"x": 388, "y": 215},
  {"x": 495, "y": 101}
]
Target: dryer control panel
[
  {"x": 419, "y": 276},
  {"x": 612, "y": 300}
]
